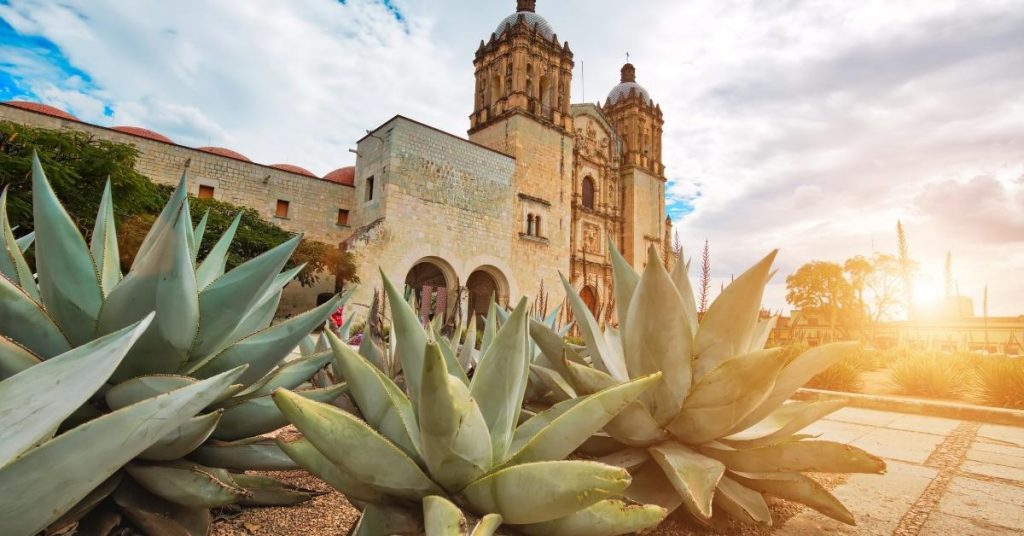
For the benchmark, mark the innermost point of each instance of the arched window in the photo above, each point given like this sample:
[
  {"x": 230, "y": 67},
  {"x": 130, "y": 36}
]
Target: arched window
[
  {"x": 545, "y": 92},
  {"x": 588, "y": 192},
  {"x": 529, "y": 224},
  {"x": 536, "y": 227},
  {"x": 529, "y": 80},
  {"x": 495, "y": 90}
]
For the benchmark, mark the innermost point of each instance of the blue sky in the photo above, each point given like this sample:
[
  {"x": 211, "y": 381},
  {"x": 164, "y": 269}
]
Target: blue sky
[{"x": 807, "y": 126}]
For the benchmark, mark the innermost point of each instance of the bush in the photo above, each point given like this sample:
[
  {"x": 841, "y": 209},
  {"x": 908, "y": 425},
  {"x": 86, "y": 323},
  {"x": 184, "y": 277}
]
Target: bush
[
  {"x": 843, "y": 376},
  {"x": 931, "y": 375},
  {"x": 1000, "y": 382}
]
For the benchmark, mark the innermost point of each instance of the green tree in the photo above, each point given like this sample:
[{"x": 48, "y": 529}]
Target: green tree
[{"x": 822, "y": 286}]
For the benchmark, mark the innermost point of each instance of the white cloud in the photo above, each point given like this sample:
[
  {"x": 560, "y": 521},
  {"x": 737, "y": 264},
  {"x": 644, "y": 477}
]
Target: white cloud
[{"x": 808, "y": 126}]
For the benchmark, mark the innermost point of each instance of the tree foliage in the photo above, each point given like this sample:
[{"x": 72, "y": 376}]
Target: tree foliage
[{"x": 78, "y": 165}]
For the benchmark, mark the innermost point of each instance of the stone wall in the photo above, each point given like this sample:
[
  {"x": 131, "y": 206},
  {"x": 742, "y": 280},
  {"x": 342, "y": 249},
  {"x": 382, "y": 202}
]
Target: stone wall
[
  {"x": 438, "y": 198},
  {"x": 313, "y": 203}
]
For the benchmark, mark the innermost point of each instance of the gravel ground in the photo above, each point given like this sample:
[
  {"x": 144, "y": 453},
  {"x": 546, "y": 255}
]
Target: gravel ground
[{"x": 332, "y": 515}]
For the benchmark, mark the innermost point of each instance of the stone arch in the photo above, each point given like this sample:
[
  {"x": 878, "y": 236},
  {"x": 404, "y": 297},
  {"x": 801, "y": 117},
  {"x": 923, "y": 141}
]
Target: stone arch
[
  {"x": 484, "y": 282},
  {"x": 438, "y": 275},
  {"x": 589, "y": 296},
  {"x": 588, "y": 192}
]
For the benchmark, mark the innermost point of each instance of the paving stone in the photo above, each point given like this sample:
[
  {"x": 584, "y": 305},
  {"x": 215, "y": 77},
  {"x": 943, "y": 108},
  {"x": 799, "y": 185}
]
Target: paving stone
[
  {"x": 1003, "y": 434},
  {"x": 899, "y": 444},
  {"x": 995, "y": 470},
  {"x": 924, "y": 424},
  {"x": 986, "y": 451},
  {"x": 940, "y": 524},
  {"x": 878, "y": 502},
  {"x": 869, "y": 417},
  {"x": 840, "y": 432},
  {"x": 989, "y": 502}
]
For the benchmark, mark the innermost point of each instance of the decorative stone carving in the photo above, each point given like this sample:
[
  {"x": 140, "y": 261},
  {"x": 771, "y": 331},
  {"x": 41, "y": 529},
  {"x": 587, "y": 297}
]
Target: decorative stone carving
[{"x": 591, "y": 238}]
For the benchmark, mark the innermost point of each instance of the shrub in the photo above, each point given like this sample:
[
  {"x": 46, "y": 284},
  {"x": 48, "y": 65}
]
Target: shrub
[
  {"x": 1000, "y": 382},
  {"x": 931, "y": 375},
  {"x": 843, "y": 376}
]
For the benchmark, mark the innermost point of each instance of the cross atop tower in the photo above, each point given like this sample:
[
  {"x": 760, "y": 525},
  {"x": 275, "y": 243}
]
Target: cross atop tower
[
  {"x": 627, "y": 57},
  {"x": 527, "y": 5}
]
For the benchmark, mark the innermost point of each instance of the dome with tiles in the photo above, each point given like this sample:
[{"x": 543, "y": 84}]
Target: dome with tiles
[{"x": 526, "y": 9}]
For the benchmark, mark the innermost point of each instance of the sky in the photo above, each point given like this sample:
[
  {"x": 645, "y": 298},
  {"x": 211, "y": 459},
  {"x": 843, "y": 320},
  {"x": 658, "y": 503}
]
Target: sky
[{"x": 807, "y": 126}]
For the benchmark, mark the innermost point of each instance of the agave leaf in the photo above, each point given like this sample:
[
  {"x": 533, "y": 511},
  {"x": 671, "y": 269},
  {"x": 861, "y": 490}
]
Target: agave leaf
[
  {"x": 262, "y": 314},
  {"x": 783, "y": 423},
  {"x": 499, "y": 384},
  {"x": 467, "y": 352},
  {"x": 566, "y": 430},
  {"x": 681, "y": 279},
  {"x": 605, "y": 518},
  {"x": 728, "y": 325},
  {"x": 616, "y": 355},
  {"x": 191, "y": 486},
  {"x": 309, "y": 458},
  {"x": 257, "y": 416},
  {"x": 263, "y": 351},
  {"x": 409, "y": 338},
  {"x": 724, "y": 396},
  {"x": 104, "y": 243},
  {"x": 29, "y": 411},
  {"x": 624, "y": 280},
  {"x": 452, "y": 363},
  {"x": 199, "y": 233},
  {"x": 371, "y": 350},
  {"x": 252, "y": 454},
  {"x": 266, "y": 491},
  {"x": 635, "y": 426},
  {"x": 68, "y": 283},
  {"x": 164, "y": 282},
  {"x": 12, "y": 258},
  {"x": 659, "y": 339},
  {"x": 490, "y": 327},
  {"x": 797, "y": 456},
  {"x": 81, "y": 470},
  {"x": 307, "y": 346},
  {"x": 694, "y": 477},
  {"x": 15, "y": 358},
  {"x": 742, "y": 502},
  {"x": 184, "y": 440},
  {"x": 794, "y": 376},
  {"x": 381, "y": 402},
  {"x": 591, "y": 331},
  {"x": 629, "y": 458},
  {"x": 488, "y": 525},
  {"x": 165, "y": 221},
  {"x": 650, "y": 485},
  {"x": 554, "y": 381},
  {"x": 380, "y": 519},
  {"x": 586, "y": 380},
  {"x": 797, "y": 488},
  {"x": 216, "y": 260},
  {"x": 83, "y": 507},
  {"x": 544, "y": 491},
  {"x": 24, "y": 321},
  {"x": 289, "y": 375},
  {"x": 762, "y": 331},
  {"x": 143, "y": 387},
  {"x": 157, "y": 517},
  {"x": 553, "y": 346},
  {"x": 456, "y": 444},
  {"x": 442, "y": 518},
  {"x": 356, "y": 448},
  {"x": 224, "y": 303}
]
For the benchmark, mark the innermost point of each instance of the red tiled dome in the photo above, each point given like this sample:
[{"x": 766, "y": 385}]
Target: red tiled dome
[
  {"x": 224, "y": 152},
  {"x": 144, "y": 133},
  {"x": 42, "y": 109},
  {"x": 294, "y": 169},
  {"x": 345, "y": 175}
]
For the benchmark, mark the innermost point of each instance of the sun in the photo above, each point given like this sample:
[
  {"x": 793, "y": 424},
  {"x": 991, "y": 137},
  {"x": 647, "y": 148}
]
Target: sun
[{"x": 927, "y": 293}]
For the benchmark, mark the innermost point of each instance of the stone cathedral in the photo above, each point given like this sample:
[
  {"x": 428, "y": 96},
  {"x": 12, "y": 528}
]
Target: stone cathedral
[{"x": 539, "y": 187}]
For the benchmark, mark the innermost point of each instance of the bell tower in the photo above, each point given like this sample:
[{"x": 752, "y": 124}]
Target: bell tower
[
  {"x": 522, "y": 69},
  {"x": 639, "y": 122}
]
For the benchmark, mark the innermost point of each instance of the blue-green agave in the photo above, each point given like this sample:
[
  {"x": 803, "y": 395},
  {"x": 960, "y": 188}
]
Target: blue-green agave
[
  {"x": 717, "y": 432},
  {"x": 205, "y": 322},
  {"x": 460, "y": 440}
]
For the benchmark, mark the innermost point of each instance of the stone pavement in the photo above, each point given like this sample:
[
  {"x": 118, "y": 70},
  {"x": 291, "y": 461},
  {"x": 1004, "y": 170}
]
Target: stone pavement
[{"x": 945, "y": 477}]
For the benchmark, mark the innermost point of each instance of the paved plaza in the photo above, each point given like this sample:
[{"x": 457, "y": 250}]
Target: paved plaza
[{"x": 945, "y": 477}]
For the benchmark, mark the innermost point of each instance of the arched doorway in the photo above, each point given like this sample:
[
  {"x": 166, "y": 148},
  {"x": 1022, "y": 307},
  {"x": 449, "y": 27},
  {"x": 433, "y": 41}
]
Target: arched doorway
[
  {"x": 484, "y": 283},
  {"x": 430, "y": 282},
  {"x": 589, "y": 296}
]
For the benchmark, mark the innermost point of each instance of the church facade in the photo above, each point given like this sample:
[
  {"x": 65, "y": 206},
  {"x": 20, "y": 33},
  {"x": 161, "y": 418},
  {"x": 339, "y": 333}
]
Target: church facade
[{"x": 539, "y": 187}]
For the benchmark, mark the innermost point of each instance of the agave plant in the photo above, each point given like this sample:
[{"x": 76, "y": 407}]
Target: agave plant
[
  {"x": 460, "y": 439},
  {"x": 206, "y": 323},
  {"x": 716, "y": 432}
]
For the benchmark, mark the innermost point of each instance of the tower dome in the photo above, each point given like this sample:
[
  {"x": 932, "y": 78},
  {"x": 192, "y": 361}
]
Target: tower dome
[
  {"x": 527, "y": 9},
  {"x": 628, "y": 85}
]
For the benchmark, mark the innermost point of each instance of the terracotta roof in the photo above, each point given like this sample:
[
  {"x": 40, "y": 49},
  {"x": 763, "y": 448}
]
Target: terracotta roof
[
  {"x": 41, "y": 108},
  {"x": 294, "y": 169},
  {"x": 224, "y": 152},
  {"x": 345, "y": 175},
  {"x": 143, "y": 133}
]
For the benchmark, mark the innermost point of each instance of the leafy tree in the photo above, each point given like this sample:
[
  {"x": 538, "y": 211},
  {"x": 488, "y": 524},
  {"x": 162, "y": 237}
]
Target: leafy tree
[
  {"x": 78, "y": 165},
  {"x": 885, "y": 285},
  {"x": 821, "y": 286}
]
